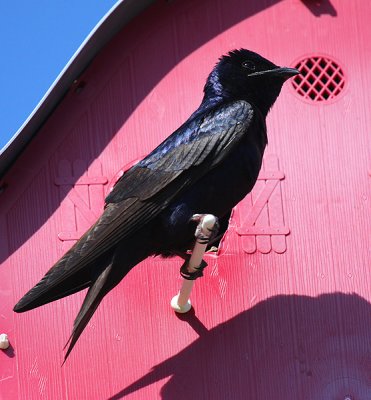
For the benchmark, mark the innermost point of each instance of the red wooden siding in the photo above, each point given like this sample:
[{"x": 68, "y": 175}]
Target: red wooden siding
[{"x": 283, "y": 311}]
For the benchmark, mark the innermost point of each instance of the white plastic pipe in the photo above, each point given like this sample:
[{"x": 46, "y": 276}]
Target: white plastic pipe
[{"x": 181, "y": 302}]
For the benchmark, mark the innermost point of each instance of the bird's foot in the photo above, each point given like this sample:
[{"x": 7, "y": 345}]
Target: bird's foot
[{"x": 202, "y": 236}]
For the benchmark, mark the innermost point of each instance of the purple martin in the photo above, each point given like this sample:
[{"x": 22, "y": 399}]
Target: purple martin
[{"x": 208, "y": 165}]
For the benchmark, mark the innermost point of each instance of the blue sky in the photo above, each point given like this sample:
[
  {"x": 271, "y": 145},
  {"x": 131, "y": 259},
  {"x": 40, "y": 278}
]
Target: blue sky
[{"x": 38, "y": 38}]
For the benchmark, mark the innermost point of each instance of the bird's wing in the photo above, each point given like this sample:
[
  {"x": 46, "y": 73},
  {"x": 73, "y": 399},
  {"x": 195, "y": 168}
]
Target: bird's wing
[
  {"x": 148, "y": 187},
  {"x": 187, "y": 148}
]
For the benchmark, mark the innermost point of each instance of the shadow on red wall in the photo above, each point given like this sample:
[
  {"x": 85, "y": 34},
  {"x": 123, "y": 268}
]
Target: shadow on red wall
[
  {"x": 320, "y": 7},
  {"x": 287, "y": 347}
]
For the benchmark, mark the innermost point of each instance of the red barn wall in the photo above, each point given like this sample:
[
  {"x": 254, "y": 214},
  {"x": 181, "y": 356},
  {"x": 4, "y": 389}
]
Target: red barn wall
[{"x": 283, "y": 311}]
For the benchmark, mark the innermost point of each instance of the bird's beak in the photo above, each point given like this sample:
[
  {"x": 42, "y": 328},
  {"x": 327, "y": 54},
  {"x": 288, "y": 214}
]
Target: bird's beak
[{"x": 283, "y": 72}]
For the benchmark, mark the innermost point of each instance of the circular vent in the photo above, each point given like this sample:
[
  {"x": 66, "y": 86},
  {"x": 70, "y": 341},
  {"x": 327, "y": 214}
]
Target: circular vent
[{"x": 321, "y": 79}]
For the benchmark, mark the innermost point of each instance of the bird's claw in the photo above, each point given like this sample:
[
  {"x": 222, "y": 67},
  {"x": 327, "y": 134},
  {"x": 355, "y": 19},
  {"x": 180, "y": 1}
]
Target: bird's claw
[{"x": 203, "y": 237}]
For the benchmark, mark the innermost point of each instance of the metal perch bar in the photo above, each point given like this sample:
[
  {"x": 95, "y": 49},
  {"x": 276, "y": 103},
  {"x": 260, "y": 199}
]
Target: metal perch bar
[{"x": 181, "y": 302}]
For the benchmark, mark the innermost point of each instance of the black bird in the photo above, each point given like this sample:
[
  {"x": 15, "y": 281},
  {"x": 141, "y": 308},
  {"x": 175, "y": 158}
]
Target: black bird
[{"x": 207, "y": 165}]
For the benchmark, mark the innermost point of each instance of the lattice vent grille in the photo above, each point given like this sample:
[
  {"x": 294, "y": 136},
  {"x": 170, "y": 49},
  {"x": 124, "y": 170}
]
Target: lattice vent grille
[{"x": 321, "y": 78}]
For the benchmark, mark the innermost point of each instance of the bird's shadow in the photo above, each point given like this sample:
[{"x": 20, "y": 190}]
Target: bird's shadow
[{"x": 287, "y": 347}]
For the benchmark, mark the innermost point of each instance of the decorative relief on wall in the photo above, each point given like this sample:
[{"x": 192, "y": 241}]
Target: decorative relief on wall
[
  {"x": 259, "y": 218},
  {"x": 82, "y": 196}
]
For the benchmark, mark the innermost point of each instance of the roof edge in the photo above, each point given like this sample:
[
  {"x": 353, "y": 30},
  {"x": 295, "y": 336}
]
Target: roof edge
[{"x": 111, "y": 23}]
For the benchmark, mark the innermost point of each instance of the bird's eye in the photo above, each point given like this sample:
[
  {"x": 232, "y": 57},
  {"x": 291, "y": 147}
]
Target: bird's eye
[{"x": 249, "y": 65}]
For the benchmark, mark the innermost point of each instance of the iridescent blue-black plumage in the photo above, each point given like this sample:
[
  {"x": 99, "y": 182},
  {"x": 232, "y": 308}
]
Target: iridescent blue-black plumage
[{"x": 206, "y": 166}]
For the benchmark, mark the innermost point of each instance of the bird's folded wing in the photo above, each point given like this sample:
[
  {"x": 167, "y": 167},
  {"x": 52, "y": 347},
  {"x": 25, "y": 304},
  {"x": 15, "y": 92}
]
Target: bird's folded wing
[
  {"x": 208, "y": 143},
  {"x": 143, "y": 192}
]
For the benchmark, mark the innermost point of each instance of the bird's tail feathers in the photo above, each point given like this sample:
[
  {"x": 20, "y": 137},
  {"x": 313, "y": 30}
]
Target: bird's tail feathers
[
  {"x": 94, "y": 296},
  {"x": 43, "y": 293}
]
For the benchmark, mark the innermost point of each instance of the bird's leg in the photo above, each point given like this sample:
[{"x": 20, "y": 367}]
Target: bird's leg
[{"x": 194, "y": 265}]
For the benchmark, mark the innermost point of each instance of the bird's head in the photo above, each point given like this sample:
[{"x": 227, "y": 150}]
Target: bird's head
[{"x": 245, "y": 75}]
